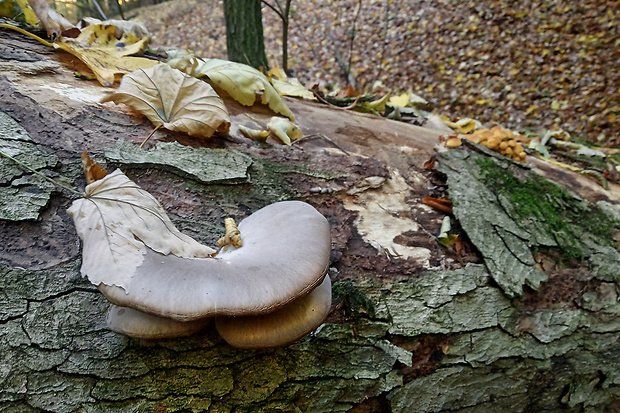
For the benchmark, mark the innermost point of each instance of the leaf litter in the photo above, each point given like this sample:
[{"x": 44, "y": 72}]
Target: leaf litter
[{"x": 533, "y": 64}]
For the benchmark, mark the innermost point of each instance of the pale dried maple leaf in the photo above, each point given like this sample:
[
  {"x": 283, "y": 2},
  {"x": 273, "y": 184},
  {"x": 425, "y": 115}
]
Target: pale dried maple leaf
[
  {"x": 118, "y": 222},
  {"x": 171, "y": 99}
]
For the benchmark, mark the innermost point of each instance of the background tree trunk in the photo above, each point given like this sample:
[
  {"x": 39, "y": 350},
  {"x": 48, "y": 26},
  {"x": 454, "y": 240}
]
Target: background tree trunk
[
  {"x": 414, "y": 327},
  {"x": 244, "y": 32}
]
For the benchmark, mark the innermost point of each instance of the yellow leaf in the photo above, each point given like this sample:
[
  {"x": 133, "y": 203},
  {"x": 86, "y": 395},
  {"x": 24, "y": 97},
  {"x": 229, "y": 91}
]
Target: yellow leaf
[
  {"x": 400, "y": 100},
  {"x": 138, "y": 29},
  {"x": 277, "y": 72},
  {"x": 242, "y": 82},
  {"x": 29, "y": 16},
  {"x": 378, "y": 104},
  {"x": 291, "y": 86},
  {"x": 254, "y": 134},
  {"x": 285, "y": 130},
  {"x": 105, "y": 55},
  {"x": 174, "y": 100},
  {"x": 481, "y": 101}
]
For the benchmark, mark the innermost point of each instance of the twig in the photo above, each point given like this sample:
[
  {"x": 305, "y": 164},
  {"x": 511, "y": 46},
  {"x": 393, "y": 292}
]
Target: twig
[
  {"x": 321, "y": 136},
  {"x": 120, "y": 9},
  {"x": 351, "y": 106},
  {"x": 284, "y": 14},
  {"x": 353, "y": 33},
  {"x": 98, "y": 7}
]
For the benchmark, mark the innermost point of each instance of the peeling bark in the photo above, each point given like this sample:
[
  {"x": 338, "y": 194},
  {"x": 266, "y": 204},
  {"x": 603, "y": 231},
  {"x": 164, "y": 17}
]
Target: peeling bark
[{"x": 409, "y": 332}]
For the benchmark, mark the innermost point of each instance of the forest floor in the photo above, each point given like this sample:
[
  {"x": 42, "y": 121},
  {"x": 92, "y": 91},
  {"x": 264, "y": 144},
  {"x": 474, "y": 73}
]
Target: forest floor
[{"x": 533, "y": 64}]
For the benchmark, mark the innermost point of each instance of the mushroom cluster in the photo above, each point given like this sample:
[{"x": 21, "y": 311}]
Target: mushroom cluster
[
  {"x": 269, "y": 292},
  {"x": 499, "y": 140},
  {"x": 496, "y": 138}
]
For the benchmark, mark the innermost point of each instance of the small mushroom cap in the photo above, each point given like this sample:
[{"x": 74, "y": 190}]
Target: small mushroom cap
[
  {"x": 281, "y": 327},
  {"x": 285, "y": 255},
  {"x": 134, "y": 323}
]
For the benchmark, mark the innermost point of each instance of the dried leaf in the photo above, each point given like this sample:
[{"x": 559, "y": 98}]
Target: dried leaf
[
  {"x": 118, "y": 222},
  {"x": 438, "y": 203},
  {"x": 290, "y": 86},
  {"x": 92, "y": 171},
  {"x": 53, "y": 22},
  {"x": 242, "y": 82},
  {"x": 445, "y": 238},
  {"x": 135, "y": 28},
  {"x": 174, "y": 100},
  {"x": 347, "y": 92},
  {"x": 465, "y": 125},
  {"x": 104, "y": 54},
  {"x": 400, "y": 100},
  {"x": 254, "y": 134},
  {"x": 285, "y": 130},
  {"x": 377, "y": 105},
  {"x": 276, "y": 72}
]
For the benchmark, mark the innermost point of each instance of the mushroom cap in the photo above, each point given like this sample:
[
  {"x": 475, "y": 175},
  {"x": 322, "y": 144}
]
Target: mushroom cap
[
  {"x": 281, "y": 327},
  {"x": 134, "y": 323},
  {"x": 285, "y": 255}
]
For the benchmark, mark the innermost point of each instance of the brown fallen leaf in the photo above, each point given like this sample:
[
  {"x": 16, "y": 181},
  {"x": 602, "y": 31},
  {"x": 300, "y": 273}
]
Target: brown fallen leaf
[
  {"x": 347, "y": 92},
  {"x": 429, "y": 164},
  {"x": 438, "y": 203},
  {"x": 171, "y": 99},
  {"x": 92, "y": 171}
]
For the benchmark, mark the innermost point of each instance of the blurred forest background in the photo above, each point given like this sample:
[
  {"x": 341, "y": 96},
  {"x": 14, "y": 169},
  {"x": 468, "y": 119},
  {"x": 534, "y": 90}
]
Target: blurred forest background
[{"x": 532, "y": 64}]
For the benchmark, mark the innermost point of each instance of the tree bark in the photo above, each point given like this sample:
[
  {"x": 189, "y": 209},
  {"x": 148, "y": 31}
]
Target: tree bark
[
  {"x": 414, "y": 327},
  {"x": 244, "y": 33}
]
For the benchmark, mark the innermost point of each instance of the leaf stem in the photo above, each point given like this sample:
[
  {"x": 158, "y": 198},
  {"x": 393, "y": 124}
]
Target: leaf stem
[
  {"x": 34, "y": 171},
  {"x": 149, "y": 137},
  {"x": 27, "y": 33}
]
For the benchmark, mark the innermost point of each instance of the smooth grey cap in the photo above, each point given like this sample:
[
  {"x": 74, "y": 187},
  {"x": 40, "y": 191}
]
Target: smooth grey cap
[
  {"x": 285, "y": 255},
  {"x": 134, "y": 323},
  {"x": 281, "y": 327}
]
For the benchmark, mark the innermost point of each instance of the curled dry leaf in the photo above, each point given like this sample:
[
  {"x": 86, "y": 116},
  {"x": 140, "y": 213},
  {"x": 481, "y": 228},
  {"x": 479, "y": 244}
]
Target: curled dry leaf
[
  {"x": 49, "y": 18},
  {"x": 285, "y": 130},
  {"x": 254, "y": 134},
  {"x": 242, "y": 82},
  {"x": 438, "y": 203},
  {"x": 116, "y": 249},
  {"x": 104, "y": 54},
  {"x": 174, "y": 100}
]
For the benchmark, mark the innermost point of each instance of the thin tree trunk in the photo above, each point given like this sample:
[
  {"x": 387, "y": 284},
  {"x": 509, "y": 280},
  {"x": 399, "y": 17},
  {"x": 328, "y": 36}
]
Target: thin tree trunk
[{"x": 244, "y": 32}]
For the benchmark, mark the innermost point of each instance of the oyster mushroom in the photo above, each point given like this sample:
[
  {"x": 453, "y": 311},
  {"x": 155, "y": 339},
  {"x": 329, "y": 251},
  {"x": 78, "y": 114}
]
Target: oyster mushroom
[
  {"x": 139, "y": 260},
  {"x": 134, "y": 323},
  {"x": 281, "y": 327}
]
